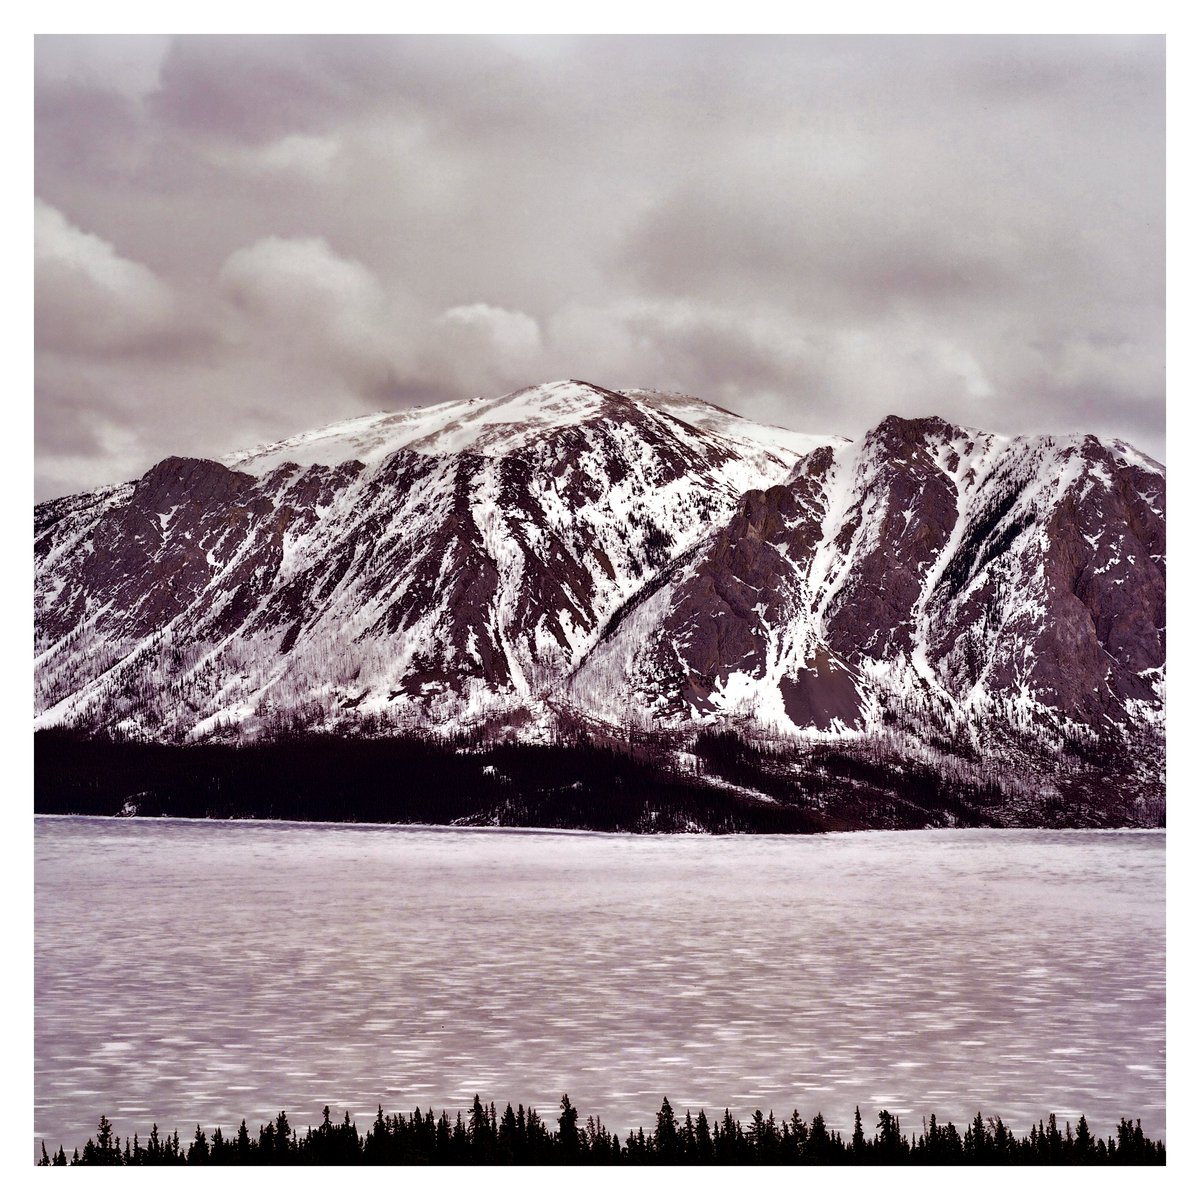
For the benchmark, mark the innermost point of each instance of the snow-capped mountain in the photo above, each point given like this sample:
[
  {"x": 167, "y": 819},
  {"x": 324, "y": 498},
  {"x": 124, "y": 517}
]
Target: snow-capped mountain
[
  {"x": 632, "y": 561},
  {"x": 433, "y": 566}
]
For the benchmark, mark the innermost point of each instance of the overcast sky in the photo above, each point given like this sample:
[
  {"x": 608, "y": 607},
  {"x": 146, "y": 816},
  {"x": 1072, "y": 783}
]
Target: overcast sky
[{"x": 239, "y": 239}]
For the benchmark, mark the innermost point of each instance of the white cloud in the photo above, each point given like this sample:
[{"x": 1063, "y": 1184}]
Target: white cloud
[
  {"x": 298, "y": 296},
  {"x": 319, "y": 327},
  {"x": 296, "y": 276},
  {"x": 298, "y": 154},
  {"x": 513, "y": 335},
  {"x": 89, "y": 297}
]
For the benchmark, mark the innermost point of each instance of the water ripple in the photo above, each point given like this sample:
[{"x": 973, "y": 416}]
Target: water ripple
[{"x": 191, "y": 973}]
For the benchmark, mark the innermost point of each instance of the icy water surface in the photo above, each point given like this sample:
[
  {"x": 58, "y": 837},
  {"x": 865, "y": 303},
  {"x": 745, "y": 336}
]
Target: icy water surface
[{"x": 192, "y": 972}]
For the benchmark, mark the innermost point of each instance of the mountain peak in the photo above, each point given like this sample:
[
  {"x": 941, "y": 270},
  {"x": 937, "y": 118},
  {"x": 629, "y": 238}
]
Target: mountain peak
[
  {"x": 495, "y": 427},
  {"x": 895, "y": 430}
]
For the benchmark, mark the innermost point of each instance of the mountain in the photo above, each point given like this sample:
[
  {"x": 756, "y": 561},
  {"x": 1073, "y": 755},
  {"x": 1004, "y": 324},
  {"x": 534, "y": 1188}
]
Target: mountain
[
  {"x": 929, "y": 592},
  {"x": 434, "y": 566},
  {"x": 927, "y": 603}
]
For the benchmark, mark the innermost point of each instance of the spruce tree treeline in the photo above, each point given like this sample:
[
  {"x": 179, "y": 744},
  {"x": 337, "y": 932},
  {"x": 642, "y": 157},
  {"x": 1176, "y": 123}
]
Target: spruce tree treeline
[
  {"x": 736, "y": 787},
  {"x": 522, "y": 1138}
]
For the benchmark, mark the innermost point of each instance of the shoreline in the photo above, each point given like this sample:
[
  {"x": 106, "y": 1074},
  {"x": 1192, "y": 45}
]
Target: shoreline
[{"x": 601, "y": 833}]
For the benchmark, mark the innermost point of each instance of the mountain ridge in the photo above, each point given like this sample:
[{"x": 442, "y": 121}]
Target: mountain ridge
[{"x": 567, "y": 557}]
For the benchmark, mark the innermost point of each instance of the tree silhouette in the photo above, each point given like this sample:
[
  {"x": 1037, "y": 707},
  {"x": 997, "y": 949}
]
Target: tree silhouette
[{"x": 568, "y": 1130}]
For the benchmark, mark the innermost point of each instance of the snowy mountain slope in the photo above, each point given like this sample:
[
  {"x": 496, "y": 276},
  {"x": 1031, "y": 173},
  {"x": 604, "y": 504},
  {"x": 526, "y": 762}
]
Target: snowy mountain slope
[
  {"x": 712, "y": 418},
  {"x": 1002, "y": 594},
  {"x": 435, "y": 566}
]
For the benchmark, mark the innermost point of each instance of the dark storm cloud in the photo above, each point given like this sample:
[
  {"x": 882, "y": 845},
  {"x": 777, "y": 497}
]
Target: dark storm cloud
[{"x": 242, "y": 237}]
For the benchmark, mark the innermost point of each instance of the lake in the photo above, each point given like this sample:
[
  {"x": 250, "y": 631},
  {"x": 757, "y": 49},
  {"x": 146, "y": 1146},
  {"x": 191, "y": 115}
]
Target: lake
[{"x": 201, "y": 972}]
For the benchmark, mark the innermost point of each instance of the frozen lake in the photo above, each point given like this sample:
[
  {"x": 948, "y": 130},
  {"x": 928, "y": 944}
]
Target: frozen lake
[{"x": 191, "y": 972}]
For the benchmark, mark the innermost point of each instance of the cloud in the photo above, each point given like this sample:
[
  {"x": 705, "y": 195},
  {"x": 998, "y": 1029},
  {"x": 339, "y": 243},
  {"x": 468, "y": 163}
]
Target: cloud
[
  {"x": 87, "y": 296},
  {"x": 512, "y": 337},
  {"x": 129, "y": 66},
  {"x": 298, "y": 279},
  {"x": 239, "y": 238},
  {"x": 299, "y": 304},
  {"x": 298, "y": 155}
]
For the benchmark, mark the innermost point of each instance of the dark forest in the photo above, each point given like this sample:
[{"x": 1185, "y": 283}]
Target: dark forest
[
  {"x": 523, "y": 1138},
  {"x": 733, "y": 787}
]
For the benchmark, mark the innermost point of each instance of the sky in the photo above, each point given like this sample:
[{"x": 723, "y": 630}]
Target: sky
[{"x": 237, "y": 239}]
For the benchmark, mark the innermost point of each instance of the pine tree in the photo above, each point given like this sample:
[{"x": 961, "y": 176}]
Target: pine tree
[
  {"x": 106, "y": 1152},
  {"x": 507, "y": 1136},
  {"x": 1085, "y": 1149},
  {"x": 197, "y": 1153},
  {"x": 889, "y": 1141},
  {"x": 568, "y": 1130},
  {"x": 688, "y": 1147},
  {"x": 266, "y": 1142},
  {"x": 283, "y": 1133},
  {"x": 666, "y": 1135},
  {"x": 376, "y": 1149},
  {"x": 242, "y": 1146},
  {"x": 704, "y": 1142},
  {"x": 1054, "y": 1140},
  {"x": 817, "y": 1150},
  {"x": 479, "y": 1133}
]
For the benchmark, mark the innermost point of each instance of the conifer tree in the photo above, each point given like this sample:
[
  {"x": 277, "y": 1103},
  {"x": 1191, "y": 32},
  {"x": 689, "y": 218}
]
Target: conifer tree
[
  {"x": 283, "y": 1133},
  {"x": 666, "y": 1134},
  {"x": 507, "y": 1136},
  {"x": 1084, "y": 1144},
  {"x": 858, "y": 1143},
  {"x": 704, "y": 1144},
  {"x": 568, "y": 1130},
  {"x": 106, "y": 1152},
  {"x": 478, "y": 1133},
  {"x": 1054, "y": 1140},
  {"x": 818, "y": 1141},
  {"x": 197, "y": 1153}
]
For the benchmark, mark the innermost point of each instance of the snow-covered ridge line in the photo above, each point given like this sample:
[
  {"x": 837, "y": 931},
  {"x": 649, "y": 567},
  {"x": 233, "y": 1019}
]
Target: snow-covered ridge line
[{"x": 497, "y": 426}]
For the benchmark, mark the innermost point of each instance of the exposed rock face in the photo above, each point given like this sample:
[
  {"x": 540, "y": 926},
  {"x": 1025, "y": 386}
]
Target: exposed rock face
[{"x": 636, "y": 560}]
